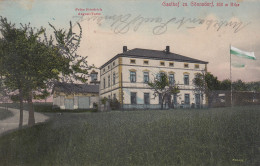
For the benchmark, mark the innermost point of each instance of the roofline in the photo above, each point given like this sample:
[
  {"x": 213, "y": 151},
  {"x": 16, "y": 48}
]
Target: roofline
[
  {"x": 55, "y": 85},
  {"x": 145, "y": 57}
]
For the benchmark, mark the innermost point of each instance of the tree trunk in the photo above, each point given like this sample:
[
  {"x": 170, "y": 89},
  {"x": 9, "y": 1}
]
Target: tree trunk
[
  {"x": 162, "y": 106},
  {"x": 31, "y": 120},
  {"x": 21, "y": 108},
  {"x": 162, "y": 103}
]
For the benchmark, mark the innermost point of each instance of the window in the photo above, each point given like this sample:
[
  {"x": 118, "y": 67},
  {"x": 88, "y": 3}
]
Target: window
[
  {"x": 108, "y": 67},
  {"x": 175, "y": 99},
  {"x": 197, "y": 66},
  {"x": 113, "y": 63},
  {"x": 187, "y": 99},
  {"x": 108, "y": 81},
  {"x": 93, "y": 76},
  {"x": 159, "y": 76},
  {"x": 171, "y": 79},
  {"x": 133, "y": 97},
  {"x": 186, "y": 79},
  {"x": 146, "y": 98},
  {"x": 146, "y": 77},
  {"x": 104, "y": 83},
  {"x": 114, "y": 78},
  {"x": 132, "y": 61},
  {"x": 186, "y": 65},
  {"x": 104, "y": 70},
  {"x": 162, "y": 63},
  {"x": 132, "y": 76},
  {"x": 146, "y": 62},
  {"x": 171, "y": 64}
]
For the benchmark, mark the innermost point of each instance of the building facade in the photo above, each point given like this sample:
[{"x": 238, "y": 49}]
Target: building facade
[
  {"x": 126, "y": 75},
  {"x": 77, "y": 96}
]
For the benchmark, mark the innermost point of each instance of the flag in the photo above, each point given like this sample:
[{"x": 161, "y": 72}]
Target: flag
[
  {"x": 243, "y": 54},
  {"x": 238, "y": 65}
]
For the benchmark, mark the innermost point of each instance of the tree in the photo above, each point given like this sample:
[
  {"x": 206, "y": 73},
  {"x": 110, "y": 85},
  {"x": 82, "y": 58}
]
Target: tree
[
  {"x": 4, "y": 93},
  {"x": 239, "y": 85},
  {"x": 67, "y": 44},
  {"x": 212, "y": 82},
  {"x": 200, "y": 84},
  {"x": 253, "y": 86},
  {"x": 225, "y": 84},
  {"x": 162, "y": 88},
  {"x": 32, "y": 65}
]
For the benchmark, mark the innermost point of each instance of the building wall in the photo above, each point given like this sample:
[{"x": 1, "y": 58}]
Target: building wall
[
  {"x": 62, "y": 100},
  {"x": 106, "y": 73},
  {"x": 153, "y": 67}
]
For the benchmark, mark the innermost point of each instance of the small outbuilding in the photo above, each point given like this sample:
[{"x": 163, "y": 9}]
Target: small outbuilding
[{"x": 75, "y": 96}]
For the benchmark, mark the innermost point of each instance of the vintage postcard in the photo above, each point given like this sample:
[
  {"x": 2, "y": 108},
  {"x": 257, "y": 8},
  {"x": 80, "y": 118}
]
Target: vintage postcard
[{"x": 129, "y": 82}]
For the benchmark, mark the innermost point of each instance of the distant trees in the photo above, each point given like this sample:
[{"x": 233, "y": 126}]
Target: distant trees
[
  {"x": 162, "y": 88},
  {"x": 212, "y": 83},
  {"x": 30, "y": 62}
]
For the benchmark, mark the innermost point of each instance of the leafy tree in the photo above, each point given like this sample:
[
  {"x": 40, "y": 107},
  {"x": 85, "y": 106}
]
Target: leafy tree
[
  {"x": 67, "y": 44},
  {"x": 212, "y": 82},
  {"x": 239, "y": 85},
  {"x": 162, "y": 88},
  {"x": 253, "y": 86},
  {"x": 200, "y": 84},
  {"x": 4, "y": 93},
  {"x": 225, "y": 84},
  {"x": 31, "y": 65},
  {"x": 204, "y": 83}
]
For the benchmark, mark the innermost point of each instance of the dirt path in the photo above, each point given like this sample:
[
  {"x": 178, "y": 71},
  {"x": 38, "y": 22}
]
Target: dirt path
[{"x": 12, "y": 123}]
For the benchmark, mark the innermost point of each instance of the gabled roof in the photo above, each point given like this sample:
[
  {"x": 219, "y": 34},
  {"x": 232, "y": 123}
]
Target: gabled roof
[
  {"x": 75, "y": 88},
  {"x": 155, "y": 54}
]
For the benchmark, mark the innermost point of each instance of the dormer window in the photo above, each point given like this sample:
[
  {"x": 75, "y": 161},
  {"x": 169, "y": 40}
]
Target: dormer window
[
  {"x": 186, "y": 65},
  {"x": 162, "y": 63},
  {"x": 93, "y": 75},
  {"x": 146, "y": 62},
  {"x": 132, "y": 61}
]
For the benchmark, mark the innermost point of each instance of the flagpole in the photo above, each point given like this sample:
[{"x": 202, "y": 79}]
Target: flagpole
[{"x": 230, "y": 78}]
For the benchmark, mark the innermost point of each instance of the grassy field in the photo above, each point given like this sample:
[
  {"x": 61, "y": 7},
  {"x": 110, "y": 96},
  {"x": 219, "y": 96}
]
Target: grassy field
[
  {"x": 221, "y": 136},
  {"x": 5, "y": 114}
]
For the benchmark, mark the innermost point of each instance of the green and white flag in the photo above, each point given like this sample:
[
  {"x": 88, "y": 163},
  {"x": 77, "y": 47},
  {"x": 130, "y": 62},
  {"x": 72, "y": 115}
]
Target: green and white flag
[
  {"x": 243, "y": 54},
  {"x": 238, "y": 65}
]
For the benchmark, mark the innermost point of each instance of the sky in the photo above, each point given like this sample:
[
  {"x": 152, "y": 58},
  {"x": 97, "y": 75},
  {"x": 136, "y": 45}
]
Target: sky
[{"x": 201, "y": 32}]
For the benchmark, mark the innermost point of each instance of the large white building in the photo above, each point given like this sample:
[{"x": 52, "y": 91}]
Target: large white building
[{"x": 125, "y": 77}]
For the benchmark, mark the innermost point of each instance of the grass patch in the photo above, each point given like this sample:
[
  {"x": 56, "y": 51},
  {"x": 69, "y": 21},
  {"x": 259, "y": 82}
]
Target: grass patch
[
  {"x": 5, "y": 114},
  {"x": 221, "y": 136}
]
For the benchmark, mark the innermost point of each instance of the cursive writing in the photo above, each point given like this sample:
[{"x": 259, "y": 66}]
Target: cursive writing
[{"x": 122, "y": 24}]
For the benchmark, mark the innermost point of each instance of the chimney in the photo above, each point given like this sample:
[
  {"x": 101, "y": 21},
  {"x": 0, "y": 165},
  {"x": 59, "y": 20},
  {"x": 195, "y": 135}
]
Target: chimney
[
  {"x": 124, "y": 48},
  {"x": 167, "y": 49}
]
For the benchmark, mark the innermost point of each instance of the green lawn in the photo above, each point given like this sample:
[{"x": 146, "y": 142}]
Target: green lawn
[
  {"x": 5, "y": 114},
  {"x": 221, "y": 136}
]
